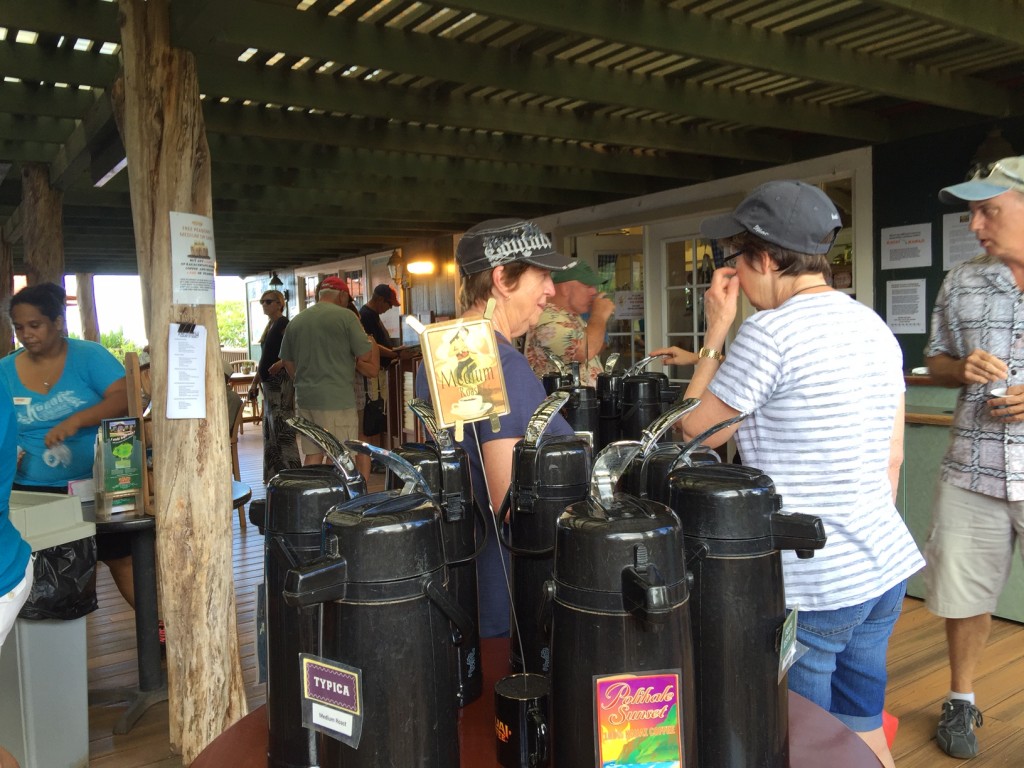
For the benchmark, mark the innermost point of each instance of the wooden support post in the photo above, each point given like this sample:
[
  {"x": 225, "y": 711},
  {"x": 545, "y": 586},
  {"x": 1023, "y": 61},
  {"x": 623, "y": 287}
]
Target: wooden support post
[
  {"x": 87, "y": 306},
  {"x": 42, "y": 227},
  {"x": 159, "y": 114}
]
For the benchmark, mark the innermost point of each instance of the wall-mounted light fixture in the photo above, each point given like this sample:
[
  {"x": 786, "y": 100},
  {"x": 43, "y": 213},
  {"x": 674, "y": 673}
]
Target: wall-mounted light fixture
[
  {"x": 276, "y": 283},
  {"x": 421, "y": 265},
  {"x": 396, "y": 268}
]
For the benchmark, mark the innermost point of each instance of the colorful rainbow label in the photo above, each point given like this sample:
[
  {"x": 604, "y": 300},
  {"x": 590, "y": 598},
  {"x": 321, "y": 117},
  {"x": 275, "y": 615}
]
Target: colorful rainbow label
[{"x": 637, "y": 720}]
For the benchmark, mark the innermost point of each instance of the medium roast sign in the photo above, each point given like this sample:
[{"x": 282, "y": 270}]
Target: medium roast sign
[{"x": 332, "y": 700}]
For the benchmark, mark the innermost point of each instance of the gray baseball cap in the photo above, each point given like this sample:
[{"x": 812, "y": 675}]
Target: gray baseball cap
[
  {"x": 987, "y": 181},
  {"x": 504, "y": 241},
  {"x": 791, "y": 214}
]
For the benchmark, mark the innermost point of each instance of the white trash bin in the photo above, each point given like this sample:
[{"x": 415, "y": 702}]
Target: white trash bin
[{"x": 44, "y": 705}]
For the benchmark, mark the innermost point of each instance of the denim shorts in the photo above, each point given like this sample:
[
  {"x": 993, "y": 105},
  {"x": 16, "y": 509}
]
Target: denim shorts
[{"x": 843, "y": 670}]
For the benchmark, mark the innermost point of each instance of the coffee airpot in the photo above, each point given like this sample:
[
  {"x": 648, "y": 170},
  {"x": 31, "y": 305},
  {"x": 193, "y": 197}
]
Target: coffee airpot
[{"x": 386, "y": 628}]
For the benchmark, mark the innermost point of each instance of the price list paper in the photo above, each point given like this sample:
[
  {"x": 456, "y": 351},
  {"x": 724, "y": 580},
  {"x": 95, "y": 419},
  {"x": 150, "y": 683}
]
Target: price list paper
[{"x": 186, "y": 372}]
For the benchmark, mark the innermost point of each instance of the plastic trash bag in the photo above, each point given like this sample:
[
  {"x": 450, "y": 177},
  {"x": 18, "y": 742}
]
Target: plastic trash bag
[{"x": 65, "y": 584}]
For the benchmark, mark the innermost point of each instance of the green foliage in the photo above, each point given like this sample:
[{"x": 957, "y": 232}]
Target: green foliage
[
  {"x": 117, "y": 344},
  {"x": 231, "y": 324}
]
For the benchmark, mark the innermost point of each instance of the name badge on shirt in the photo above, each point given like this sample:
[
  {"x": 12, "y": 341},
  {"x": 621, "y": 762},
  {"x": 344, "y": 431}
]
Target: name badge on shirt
[{"x": 22, "y": 400}]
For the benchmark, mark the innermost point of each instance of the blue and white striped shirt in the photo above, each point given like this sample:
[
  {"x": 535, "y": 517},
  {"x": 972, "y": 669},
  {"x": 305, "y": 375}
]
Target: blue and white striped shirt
[{"x": 823, "y": 376}]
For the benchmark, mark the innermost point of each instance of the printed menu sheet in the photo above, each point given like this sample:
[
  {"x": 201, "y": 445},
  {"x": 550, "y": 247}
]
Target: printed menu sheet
[{"x": 186, "y": 372}]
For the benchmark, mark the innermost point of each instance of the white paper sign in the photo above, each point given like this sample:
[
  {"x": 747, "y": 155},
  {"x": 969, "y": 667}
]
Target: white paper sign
[
  {"x": 905, "y": 306},
  {"x": 186, "y": 373},
  {"x": 905, "y": 247},
  {"x": 629, "y": 305},
  {"x": 193, "y": 258},
  {"x": 958, "y": 242}
]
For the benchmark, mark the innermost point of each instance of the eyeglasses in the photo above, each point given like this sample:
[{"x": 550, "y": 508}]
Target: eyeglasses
[
  {"x": 984, "y": 170},
  {"x": 268, "y": 301},
  {"x": 730, "y": 260}
]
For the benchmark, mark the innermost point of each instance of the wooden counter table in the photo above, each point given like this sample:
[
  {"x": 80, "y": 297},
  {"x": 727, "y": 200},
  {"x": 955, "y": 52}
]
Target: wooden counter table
[{"x": 816, "y": 738}]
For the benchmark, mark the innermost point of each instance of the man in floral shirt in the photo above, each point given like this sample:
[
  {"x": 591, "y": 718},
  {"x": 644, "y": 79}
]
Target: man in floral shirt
[
  {"x": 561, "y": 329},
  {"x": 977, "y": 345}
]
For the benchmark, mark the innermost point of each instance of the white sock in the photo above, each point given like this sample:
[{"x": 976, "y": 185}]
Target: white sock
[{"x": 957, "y": 695}]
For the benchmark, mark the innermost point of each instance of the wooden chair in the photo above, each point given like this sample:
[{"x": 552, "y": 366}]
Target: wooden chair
[
  {"x": 235, "y": 469},
  {"x": 252, "y": 408}
]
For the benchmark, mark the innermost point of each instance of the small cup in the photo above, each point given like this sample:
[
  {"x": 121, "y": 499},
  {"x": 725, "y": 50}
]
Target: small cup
[
  {"x": 470, "y": 403},
  {"x": 521, "y": 721},
  {"x": 997, "y": 392}
]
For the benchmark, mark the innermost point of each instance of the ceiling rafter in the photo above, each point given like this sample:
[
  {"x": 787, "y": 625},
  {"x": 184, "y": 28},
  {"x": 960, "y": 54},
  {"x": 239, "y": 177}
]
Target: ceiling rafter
[
  {"x": 650, "y": 23},
  {"x": 280, "y": 27}
]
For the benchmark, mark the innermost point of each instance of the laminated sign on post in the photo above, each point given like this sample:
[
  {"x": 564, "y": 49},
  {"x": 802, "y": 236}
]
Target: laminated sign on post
[
  {"x": 118, "y": 467},
  {"x": 464, "y": 373}
]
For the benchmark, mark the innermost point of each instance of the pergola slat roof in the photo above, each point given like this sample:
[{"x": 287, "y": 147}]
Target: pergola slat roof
[{"x": 342, "y": 127}]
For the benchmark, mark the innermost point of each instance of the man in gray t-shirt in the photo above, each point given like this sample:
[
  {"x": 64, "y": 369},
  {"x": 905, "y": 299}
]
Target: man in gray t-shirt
[{"x": 320, "y": 349}]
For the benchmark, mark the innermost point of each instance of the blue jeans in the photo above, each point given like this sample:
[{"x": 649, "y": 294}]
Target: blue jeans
[{"x": 843, "y": 670}]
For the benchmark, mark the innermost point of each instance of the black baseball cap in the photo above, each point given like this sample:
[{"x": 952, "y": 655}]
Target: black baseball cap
[
  {"x": 791, "y": 214},
  {"x": 505, "y": 241}
]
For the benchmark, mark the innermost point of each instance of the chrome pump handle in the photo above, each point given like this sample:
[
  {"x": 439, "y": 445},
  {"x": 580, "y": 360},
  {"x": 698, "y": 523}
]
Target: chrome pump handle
[
  {"x": 652, "y": 433},
  {"x": 424, "y": 411},
  {"x": 542, "y": 417},
  {"x": 331, "y": 446},
  {"x": 400, "y": 466}
]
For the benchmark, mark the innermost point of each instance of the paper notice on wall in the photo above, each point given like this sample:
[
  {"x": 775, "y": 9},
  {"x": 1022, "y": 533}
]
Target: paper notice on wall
[
  {"x": 629, "y": 305},
  {"x": 905, "y": 247},
  {"x": 958, "y": 242},
  {"x": 186, "y": 372},
  {"x": 905, "y": 306},
  {"x": 193, "y": 258}
]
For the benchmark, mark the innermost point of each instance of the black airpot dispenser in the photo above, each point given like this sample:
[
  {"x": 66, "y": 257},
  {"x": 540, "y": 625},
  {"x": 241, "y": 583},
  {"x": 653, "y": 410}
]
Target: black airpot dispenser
[
  {"x": 581, "y": 409},
  {"x": 297, "y": 502},
  {"x": 622, "y": 662},
  {"x": 549, "y": 472},
  {"x": 735, "y": 531},
  {"x": 445, "y": 470},
  {"x": 388, "y": 614}
]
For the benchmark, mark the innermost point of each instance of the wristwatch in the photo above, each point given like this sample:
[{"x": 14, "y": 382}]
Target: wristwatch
[{"x": 714, "y": 354}]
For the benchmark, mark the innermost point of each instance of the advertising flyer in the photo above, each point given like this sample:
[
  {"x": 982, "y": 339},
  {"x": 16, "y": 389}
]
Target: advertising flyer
[{"x": 193, "y": 258}]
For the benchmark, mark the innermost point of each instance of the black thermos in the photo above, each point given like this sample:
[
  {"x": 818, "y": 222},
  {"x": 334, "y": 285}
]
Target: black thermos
[
  {"x": 387, "y": 613},
  {"x": 547, "y": 475},
  {"x": 622, "y": 661},
  {"x": 734, "y": 532},
  {"x": 297, "y": 501},
  {"x": 446, "y": 473}
]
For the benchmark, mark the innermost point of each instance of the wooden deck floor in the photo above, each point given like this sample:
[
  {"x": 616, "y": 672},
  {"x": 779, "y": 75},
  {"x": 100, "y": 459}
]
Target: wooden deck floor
[{"x": 917, "y": 664}]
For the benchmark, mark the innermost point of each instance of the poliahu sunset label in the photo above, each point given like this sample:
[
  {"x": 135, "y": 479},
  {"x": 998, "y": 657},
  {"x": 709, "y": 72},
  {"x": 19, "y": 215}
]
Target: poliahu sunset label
[{"x": 637, "y": 720}]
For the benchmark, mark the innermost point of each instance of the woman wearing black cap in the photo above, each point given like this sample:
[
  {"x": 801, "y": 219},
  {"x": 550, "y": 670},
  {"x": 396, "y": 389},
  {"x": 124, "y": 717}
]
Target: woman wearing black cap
[
  {"x": 822, "y": 377},
  {"x": 510, "y": 261}
]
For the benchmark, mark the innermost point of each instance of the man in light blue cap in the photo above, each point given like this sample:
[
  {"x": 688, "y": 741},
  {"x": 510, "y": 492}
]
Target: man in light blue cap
[{"x": 978, "y": 515}]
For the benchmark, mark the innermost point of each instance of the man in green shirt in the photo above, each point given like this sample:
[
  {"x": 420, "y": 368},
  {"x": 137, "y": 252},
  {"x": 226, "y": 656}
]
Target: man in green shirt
[{"x": 320, "y": 349}]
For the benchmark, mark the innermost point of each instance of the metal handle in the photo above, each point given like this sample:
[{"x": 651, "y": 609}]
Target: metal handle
[
  {"x": 684, "y": 452},
  {"x": 608, "y": 468},
  {"x": 639, "y": 367},
  {"x": 405, "y": 471},
  {"x": 424, "y": 411},
  {"x": 559, "y": 364},
  {"x": 652, "y": 433},
  {"x": 334, "y": 449},
  {"x": 609, "y": 364},
  {"x": 542, "y": 417}
]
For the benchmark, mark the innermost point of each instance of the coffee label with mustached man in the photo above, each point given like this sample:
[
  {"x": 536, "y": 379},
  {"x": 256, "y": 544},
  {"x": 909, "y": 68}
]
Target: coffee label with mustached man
[{"x": 464, "y": 372}]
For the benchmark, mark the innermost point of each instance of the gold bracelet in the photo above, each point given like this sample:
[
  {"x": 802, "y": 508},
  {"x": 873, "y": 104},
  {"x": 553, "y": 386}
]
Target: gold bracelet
[{"x": 712, "y": 353}]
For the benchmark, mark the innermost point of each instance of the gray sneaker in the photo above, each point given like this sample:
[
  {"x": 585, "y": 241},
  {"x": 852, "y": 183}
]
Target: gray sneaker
[{"x": 955, "y": 734}]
